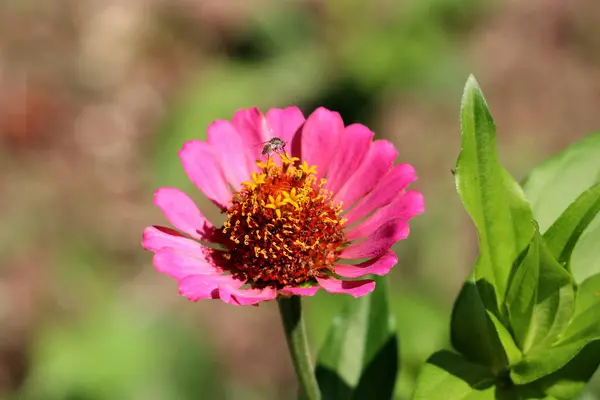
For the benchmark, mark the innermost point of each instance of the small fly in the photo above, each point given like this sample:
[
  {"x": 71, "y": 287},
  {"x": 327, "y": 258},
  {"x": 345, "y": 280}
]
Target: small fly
[{"x": 273, "y": 145}]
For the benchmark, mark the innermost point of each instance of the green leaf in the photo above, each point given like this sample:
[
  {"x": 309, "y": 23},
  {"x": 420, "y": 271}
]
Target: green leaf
[
  {"x": 583, "y": 329},
  {"x": 588, "y": 294},
  {"x": 585, "y": 260},
  {"x": 564, "y": 234},
  {"x": 539, "y": 299},
  {"x": 543, "y": 362},
  {"x": 503, "y": 221},
  {"x": 472, "y": 331},
  {"x": 456, "y": 378},
  {"x": 568, "y": 382},
  {"x": 491, "y": 196},
  {"x": 513, "y": 354},
  {"x": 360, "y": 354},
  {"x": 557, "y": 182}
]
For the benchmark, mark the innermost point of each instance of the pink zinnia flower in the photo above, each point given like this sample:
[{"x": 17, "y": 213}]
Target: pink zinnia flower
[{"x": 297, "y": 221}]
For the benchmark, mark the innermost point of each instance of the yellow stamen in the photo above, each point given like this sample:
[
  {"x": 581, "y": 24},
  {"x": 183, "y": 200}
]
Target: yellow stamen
[
  {"x": 286, "y": 159},
  {"x": 308, "y": 170}
]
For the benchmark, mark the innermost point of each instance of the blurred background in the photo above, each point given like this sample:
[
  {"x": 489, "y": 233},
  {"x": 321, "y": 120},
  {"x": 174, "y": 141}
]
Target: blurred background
[{"x": 97, "y": 97}]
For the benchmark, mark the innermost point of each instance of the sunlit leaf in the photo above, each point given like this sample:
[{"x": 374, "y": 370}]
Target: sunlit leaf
[
  {"x": 554, "y": 186},
  {"x": 563, "y": 236},
  {"x": 504, "y": 225},
  {"x": 492, "y": 198},
  {"x": 567, "y": 382},
  {"x": 450, "y": 375},
  {"x": 539, "y": 299}
]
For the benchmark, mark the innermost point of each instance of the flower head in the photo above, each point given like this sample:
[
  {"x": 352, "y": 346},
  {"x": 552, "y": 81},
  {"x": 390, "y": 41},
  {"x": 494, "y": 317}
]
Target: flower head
[{"x": 300, "y": 217}]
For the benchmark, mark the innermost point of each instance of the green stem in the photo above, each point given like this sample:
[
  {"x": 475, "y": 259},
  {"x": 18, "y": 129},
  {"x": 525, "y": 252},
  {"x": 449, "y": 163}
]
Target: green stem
[{"x": 295, "y": 334}]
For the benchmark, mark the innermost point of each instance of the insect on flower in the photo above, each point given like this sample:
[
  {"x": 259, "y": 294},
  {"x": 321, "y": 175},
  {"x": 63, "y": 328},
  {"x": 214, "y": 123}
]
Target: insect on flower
[{"x": 273, "y": 145}]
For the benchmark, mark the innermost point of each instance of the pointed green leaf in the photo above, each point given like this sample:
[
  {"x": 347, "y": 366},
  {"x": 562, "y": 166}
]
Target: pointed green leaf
[
  {"x": 360, "y": 354},
  {"x": 503, "y": 221},
  {"x": 456, "y": 378},
  {"x": 491, "y": 196},
  {"x": 539, "y": 299}
]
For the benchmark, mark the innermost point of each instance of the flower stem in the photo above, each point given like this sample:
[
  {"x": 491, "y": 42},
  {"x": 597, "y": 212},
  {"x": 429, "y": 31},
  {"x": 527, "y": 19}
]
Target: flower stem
[{"x": 290, "y": 310}]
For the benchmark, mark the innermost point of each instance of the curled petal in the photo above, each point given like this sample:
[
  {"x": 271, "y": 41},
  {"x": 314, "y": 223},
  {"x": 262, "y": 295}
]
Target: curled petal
[
  {"x": 353, "y": 288},
  {"x": 378, "y": 266},
  {"x": 197, "y": 287},
  {"x": 182, "y": 213},
  {"x": 202, "y": 166},
  {"x": 300, "y": 291},
  {"x": 379, "y": 242},
  {"x": 244, "y": 297},
  {"x": 404, "y": 207}
]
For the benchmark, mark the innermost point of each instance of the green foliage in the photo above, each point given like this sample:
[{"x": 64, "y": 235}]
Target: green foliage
[
  {"x": 359, "y": 357},
  {"x": 451, "y": 374},
  {"x": 527, "y": 320},
  {"x": 105, "y": 355}
]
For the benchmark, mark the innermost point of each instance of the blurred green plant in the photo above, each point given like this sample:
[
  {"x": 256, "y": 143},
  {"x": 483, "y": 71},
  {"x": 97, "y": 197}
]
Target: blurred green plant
[{"x": 118, "y": 352}]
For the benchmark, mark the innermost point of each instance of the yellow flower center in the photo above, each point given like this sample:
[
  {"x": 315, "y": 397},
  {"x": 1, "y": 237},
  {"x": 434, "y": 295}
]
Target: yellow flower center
[{"x": 283, "y": 227}]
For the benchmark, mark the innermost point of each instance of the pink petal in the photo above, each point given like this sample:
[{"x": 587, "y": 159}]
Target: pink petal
[
  {"x": 196, "y": 287},
  {"x": 378, "y": 266},
  {"x": 299, "y": 291},
  {"x": 202, "y": 167},
  {"x": 179, "y": 264},
  {"x": 353, "y": 288},
  {"x": 231, "y": 151},
  {"x": 378, "y": 242},
  {"x": 376, "y": 164},
  {"x": 245, "y": 297},
  {"x": 182, "y": 213},
  {"x": 158, "y": 237},
  {"x": 285, "y": 122},
  {"x": 320, "y": 139},
  {"x": 251, "y": 125},
  {"x": 354, "y": 145},
  {"x": 405, "y": 206},
  {"x": 390, "y": 186}
]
